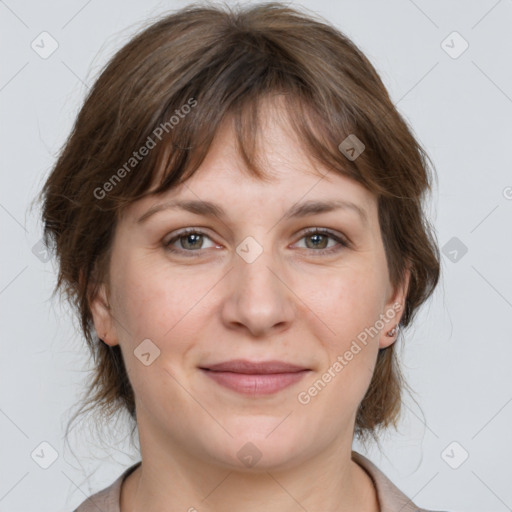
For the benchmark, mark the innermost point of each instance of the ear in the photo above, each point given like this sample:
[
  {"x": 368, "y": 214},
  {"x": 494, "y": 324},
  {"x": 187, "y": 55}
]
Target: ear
[
  {"x": 102, "y": 316},
  {"x": 396, "y": 305}
]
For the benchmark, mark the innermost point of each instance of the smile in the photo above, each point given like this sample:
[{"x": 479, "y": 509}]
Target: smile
[{"x": 255, "y": 378}]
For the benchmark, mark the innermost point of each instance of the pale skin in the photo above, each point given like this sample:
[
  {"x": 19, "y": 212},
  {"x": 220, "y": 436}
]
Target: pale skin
[{"x": 206, "y": 304}]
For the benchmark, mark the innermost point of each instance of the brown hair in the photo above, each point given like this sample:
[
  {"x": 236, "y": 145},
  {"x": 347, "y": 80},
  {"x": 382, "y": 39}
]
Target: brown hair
[{"x": 176, "y": 81}]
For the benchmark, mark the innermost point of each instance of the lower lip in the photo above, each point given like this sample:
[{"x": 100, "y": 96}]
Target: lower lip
[{"x": 255, "y": 384}]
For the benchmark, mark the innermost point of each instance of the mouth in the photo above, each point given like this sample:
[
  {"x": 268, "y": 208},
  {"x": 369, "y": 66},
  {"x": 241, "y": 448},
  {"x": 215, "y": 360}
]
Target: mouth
[{"x": 255, "y": 378}]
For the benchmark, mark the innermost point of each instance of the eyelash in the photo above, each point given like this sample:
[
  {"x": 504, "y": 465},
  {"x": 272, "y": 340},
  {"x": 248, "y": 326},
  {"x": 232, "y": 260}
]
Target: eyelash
[{"x": 312, "y": 231}]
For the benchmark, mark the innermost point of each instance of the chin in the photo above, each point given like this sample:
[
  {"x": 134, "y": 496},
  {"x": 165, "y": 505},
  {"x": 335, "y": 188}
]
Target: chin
[{"x": 263, "y": 444}]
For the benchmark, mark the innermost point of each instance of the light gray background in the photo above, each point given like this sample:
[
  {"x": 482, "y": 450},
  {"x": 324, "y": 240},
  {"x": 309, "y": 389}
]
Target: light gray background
[{"x": 457, "y": 357}]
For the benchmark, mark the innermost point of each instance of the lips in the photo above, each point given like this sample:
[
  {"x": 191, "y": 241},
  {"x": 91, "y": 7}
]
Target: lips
[
  {"x": 252, "y": 367},
  {"x": 255, "y": 378}
]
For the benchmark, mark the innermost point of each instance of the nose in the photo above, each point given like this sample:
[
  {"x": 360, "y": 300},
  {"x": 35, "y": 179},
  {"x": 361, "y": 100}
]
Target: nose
[{"x": 258, "y": 298}]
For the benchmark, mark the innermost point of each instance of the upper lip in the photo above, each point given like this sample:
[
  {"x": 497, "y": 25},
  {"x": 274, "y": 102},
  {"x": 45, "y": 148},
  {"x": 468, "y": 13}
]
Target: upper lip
[{"x": 254, "y": 367}]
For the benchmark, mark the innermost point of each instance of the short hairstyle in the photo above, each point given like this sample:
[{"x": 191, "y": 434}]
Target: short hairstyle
[{"x": 167, "y": 90}]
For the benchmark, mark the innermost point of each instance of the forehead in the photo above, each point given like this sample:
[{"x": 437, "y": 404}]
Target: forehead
[{"x": 291, "y": 174}]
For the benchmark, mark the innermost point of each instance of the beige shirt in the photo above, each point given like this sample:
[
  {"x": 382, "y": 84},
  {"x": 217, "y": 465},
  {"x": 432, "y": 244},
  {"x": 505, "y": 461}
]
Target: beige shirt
[{"x": 391, "y": 499}]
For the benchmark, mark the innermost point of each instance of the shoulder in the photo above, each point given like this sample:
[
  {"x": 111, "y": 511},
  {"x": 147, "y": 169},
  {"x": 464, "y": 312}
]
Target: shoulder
[
  {"x": 106, "y": 500},
  {"x": 391, "y": 498}
]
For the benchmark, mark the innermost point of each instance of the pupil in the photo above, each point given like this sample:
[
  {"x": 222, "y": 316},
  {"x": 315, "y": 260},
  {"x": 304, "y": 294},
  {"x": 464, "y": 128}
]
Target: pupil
[
  {"x": 192, "y": 236},
  {"x": 317, "y": 237}
]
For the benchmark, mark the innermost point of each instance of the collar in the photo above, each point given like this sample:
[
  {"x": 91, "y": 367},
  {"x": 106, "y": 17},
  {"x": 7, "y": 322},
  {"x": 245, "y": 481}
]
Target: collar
[{"x": 390, "y": 497}]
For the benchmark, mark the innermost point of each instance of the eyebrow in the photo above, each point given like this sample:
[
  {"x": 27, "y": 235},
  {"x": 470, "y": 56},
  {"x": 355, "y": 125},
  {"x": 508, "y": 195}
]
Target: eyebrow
[{"x": 209, "y": 209}]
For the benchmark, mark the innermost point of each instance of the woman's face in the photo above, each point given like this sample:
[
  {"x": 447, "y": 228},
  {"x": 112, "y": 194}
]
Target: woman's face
[{"x": 250, "y": 284}]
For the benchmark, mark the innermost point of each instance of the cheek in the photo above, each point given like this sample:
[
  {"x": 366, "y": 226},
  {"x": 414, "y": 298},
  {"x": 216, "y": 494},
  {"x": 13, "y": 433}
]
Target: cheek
[
  {"x": 346, "y": 303},
  {"x": 156, "y": 302},
  {"x": 158, "y": 307}
]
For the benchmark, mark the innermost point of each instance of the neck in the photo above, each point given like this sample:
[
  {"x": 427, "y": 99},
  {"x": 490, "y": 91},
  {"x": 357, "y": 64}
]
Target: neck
[{"x": 180, "y": 482}]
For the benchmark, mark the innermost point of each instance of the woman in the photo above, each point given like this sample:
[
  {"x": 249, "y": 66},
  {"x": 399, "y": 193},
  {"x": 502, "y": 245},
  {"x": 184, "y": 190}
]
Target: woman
[{"x": 238, "y": 220}]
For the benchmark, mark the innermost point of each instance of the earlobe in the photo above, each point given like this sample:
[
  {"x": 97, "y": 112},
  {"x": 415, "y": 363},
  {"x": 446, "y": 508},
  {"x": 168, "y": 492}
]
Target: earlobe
[
  {"x": 102, "y": 316},
  {"x": 394, "y": 311},
  {"x": 389, "y": 336}
]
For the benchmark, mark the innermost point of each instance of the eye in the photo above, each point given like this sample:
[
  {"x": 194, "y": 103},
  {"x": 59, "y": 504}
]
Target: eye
[
  {"x": 189, "y": 239},
  {"x": 319, "y": 238}
]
